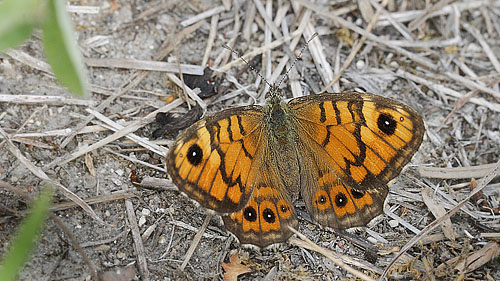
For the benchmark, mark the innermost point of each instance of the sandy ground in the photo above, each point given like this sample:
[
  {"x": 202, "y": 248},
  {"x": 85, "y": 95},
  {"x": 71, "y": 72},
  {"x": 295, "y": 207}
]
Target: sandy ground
[{"x": 427, "y": 64}]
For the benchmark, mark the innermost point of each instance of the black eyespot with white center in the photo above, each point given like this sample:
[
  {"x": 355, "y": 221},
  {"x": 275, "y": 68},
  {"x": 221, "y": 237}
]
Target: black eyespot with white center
[
  {"x": 195, "y": 154},
  {"x": 340, "y": 200},
  {"x": 250, "y": 214},
  {"x": 386, "y": 124},
  {"x": 322, "y": 200},
  {"x": 269, "y": 215},
  {"x": 283, "y": 208}
]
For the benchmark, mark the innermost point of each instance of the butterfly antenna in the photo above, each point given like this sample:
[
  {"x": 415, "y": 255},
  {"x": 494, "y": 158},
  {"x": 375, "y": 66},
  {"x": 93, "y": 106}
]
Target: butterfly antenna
[
  {"x": 296, "y": 59},
  {"x": 249, "y": 65}
]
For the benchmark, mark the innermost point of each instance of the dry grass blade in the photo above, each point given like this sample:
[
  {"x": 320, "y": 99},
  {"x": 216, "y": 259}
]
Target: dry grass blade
[
  {"x": 308, "y": 244},
  {"x": 324, "y": 12},
  {"x": 160, "y": 150},
  {"x": 210, "y": 40},
  {"x": 428, "y": 11},
  {"x": 134, "y": 126},
  {"x": 359, "y": 44},
  {"x": 61, "y": 225},
  {"x": 42, "y": 175},
  {"x": 29, "y": 60},
  {"x": 484, "y": 181},
  {"x": 49, "y": 100},
  {"x": 93, "y": 200},
  {"x": 405, "y": 16},
  {"x": 196, "y": 241},
  {"x": 463, "y": 100},
  {"x": 138, "y": 245},
  {"x": 167, "y": 47},
  {"x": 189, "y": 91},
  {"x": 437, "y": 87},
  {"x": 133, "y": 160},
  {"x": 258, "y": 51},
  {"x": 438, "y": 211},
  {"x": 144, "y": 65},
  {"x": 316, "y": 49},
  {"x": 473, "y": 85},
  {"x": 491, "y": 55},
  {"x": 455, "y": 173},
  {"x": 203, "y": 16},
  {"x": 472, "y": 262}
]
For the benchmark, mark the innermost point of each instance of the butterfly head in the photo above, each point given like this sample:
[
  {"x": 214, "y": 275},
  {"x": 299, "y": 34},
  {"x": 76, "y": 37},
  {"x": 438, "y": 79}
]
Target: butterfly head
[{"x": 273, "y": 96}]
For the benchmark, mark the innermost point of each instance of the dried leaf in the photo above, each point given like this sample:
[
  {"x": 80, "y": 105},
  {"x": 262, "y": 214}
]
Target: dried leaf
[
  {"x": 170, "y": 125},
  {"x": 480, "y": 200},
  {"x": 208, "y": 85},
  {"x": 479, "y": 258},
  {"x": 234, "y": 268},
  {"x": 89, "y": 162},
  {"x": 438, "y": 211}
]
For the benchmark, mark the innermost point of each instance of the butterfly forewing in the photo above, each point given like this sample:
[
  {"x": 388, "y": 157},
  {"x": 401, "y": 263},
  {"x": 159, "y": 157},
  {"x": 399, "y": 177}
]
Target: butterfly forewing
[
  {"x": 213, "y": 161},
  {"x": 367, "y": 139}
]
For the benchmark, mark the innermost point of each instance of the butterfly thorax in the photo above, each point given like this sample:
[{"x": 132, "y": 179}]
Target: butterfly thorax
[
  {"x": 281, "y": 139},
  {"x": 277, "y": 121}
]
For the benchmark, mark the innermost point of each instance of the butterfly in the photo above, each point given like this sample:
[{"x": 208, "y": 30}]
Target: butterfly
[{"x": 338, "y": 151}]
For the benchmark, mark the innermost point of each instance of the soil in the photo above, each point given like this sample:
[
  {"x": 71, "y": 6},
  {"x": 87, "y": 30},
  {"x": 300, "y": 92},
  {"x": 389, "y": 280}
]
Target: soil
[{"x": 169, "y": 221}]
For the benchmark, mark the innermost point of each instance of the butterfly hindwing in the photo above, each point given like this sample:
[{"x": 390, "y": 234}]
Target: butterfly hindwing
[
  {"x": 332, "y": 202},
  {"x": 212, "y": 160},
  {"x": 264, "y": 220}
]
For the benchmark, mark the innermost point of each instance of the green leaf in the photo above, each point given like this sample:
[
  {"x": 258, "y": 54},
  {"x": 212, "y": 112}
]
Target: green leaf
[
  {"x": 26, "y": 237},
  {"x": 15, "y": 36},
  {"x": 17, "y": 19},
  {"x": 62, "y": 50}
]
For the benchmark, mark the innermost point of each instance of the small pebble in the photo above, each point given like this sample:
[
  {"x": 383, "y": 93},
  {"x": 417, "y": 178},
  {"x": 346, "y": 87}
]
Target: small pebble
[
  {"x": 473, "y": 48},
  {"x": 103, "y": 248},
  {"x": 360, "y": 64},
  {"x": 142, "y": 221},
  {"x": 162, "y": 239},
  {"x": 393, "y": 223},
  {"x": 121, "y": 255},
  {"x": 145, "y": 212},
  {"x": 119, "y": 172},
  {"x": 117, "y": 182},
  {"x": 372, "y": 240}
]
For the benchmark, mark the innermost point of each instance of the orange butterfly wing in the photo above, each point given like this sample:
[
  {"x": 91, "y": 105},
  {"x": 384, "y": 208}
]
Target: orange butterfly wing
[
  {"x": 353, "y": 144},
  {"x": 213, "y": 161},
  {"x": 266, "y": 217}
]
